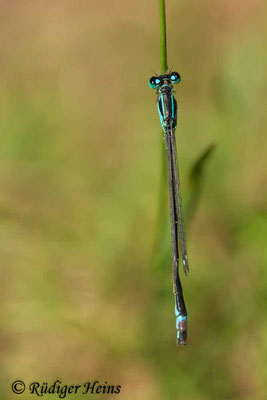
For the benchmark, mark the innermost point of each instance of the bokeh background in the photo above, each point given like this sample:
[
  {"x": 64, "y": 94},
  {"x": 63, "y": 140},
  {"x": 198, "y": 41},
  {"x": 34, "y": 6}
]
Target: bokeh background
[{"x": 85, "y": 292}]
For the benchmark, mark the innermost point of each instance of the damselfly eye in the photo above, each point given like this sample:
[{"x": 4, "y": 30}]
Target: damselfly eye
[
  {"x": 154, "y": 82},
  {"x": 175, "y": 77}
]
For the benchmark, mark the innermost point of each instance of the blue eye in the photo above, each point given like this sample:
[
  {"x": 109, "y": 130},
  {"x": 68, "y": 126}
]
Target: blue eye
[
  {"x": 154, "y": 82},
  {"x": 175, "y": 77}
]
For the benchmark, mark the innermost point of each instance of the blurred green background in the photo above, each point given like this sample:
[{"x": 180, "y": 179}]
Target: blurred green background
[{"x": 80, "y": 154}]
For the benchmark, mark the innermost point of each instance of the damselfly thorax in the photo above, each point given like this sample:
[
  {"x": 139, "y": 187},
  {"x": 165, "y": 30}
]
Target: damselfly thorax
[{"x": 167, "y": 106}]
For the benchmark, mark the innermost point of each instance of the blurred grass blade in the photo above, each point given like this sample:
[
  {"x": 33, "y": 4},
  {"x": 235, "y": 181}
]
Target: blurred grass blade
[{"x": 196, "y": 175}]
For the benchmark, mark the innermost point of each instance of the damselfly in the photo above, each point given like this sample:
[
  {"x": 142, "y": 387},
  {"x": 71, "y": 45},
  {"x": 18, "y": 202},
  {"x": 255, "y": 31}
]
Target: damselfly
[{"x": 167, "y": 108}]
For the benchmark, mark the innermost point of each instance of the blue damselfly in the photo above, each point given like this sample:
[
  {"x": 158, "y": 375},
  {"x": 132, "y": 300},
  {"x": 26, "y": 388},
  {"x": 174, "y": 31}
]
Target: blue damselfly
[{"x": 167, "y": 108}]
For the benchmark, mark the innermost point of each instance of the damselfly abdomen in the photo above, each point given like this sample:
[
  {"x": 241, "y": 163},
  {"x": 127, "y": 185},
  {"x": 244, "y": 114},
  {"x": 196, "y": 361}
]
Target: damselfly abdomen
[{"x": 167, "y": 108}]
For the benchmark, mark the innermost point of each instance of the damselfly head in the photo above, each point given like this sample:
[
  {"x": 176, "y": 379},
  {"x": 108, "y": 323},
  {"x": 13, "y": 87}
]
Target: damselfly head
[{"x": 156, "y": 81}]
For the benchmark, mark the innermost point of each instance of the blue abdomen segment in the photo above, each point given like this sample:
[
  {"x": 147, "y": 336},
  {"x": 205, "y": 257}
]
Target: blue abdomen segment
[
  {"x": 167, "y": 108},
  {"x": 181, "y": 326}
]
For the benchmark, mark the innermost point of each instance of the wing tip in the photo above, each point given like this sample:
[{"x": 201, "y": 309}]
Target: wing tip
[{"x": 185, "y": 266}]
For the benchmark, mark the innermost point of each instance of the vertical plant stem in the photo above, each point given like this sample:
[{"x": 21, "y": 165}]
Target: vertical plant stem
[
  {"x": 164, "y": 67},
  {"x": 163, "y": 38},
  {"x": 163, "y": 199}
]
